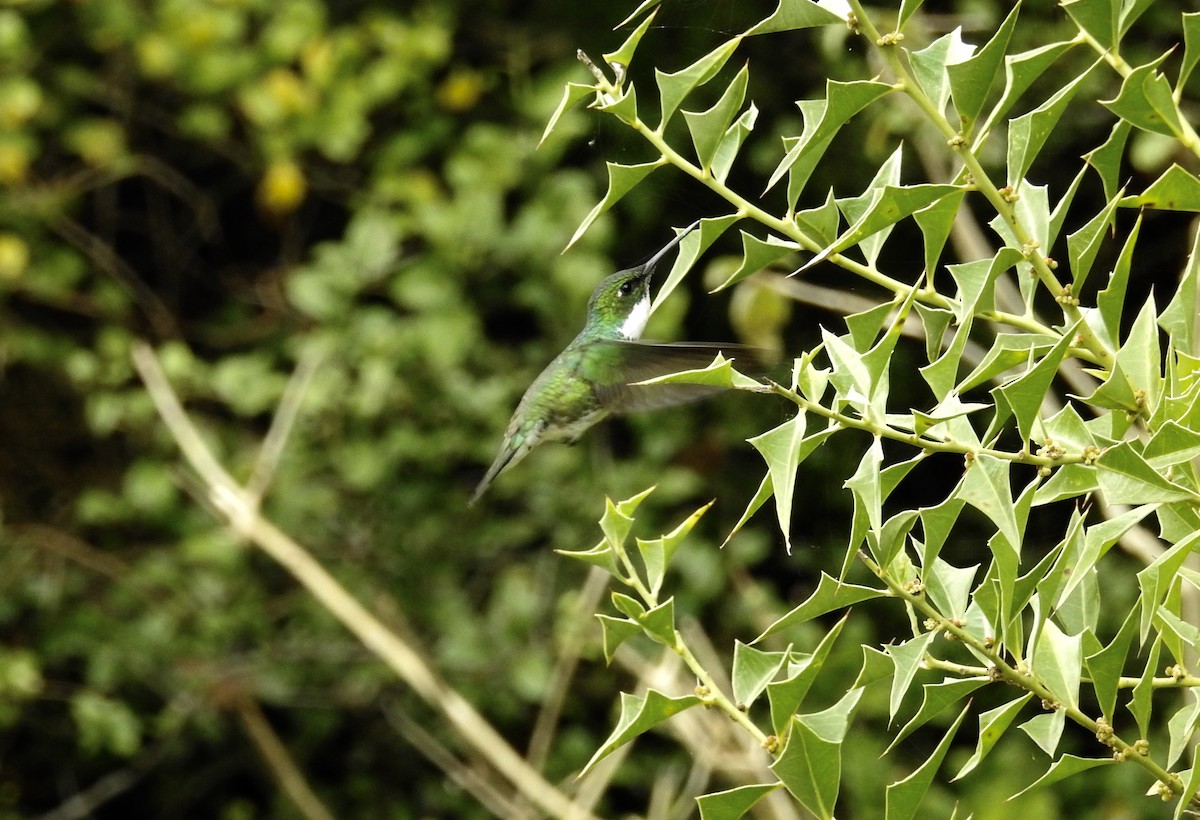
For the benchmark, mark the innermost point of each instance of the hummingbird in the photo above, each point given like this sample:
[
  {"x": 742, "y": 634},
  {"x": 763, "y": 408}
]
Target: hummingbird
[{"x": 594, "y": 376}]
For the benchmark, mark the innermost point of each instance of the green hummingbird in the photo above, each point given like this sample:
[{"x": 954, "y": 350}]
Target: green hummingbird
[{"x": 594, "y": 376}]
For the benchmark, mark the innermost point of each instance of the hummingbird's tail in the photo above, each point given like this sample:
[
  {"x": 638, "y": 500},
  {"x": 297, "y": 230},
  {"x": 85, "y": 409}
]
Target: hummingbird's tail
[{"x": 504, "y": 458}]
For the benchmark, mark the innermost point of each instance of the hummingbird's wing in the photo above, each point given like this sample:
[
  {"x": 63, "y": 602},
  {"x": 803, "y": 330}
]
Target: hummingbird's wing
[{"x": 640, "y": 361}]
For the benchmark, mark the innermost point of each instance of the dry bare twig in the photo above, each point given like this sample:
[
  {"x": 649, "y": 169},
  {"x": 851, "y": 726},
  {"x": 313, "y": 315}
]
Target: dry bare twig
[{"x": 240, "y": 513}]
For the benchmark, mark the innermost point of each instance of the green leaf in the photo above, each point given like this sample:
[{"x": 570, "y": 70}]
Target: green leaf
[
  {"x": 1145, "y": 101},
  {"x": 1141, "y": 705},
  {"x": 1177, "y": 521},
  {"x": 929, "y": 65},
  {"x": 890, "y": 540},
  {"x": 1116, "y": 393},
  {"x": 1068, "y": 481},
  {"x": 935, "y": 698},
  {"x": 708, "y": 127},
  {"x": 936, "y": 523},
  {"x": 756, "y": 255},
  {"x": 765, "y": 490},
  {"x": 1107, "y": 158},
  {"x": 601, "y": 555},
  {"x": 992, "y": 726},
  {"x": 618, "y": 516},
  {"x": 1141, "y": 360},
  {"x": 621, "y": 180},
  {"x": 1096, "y": 17},
  {"x": 1084, "y": 244},
  {"x": 1008, "y": 350},
  {"x": 864, "y": 327},
  {"x": 876, "y": 666},
  {"x": 573, "y": 93},
  {"x": 781, "y": 449},
  {"x": 1024, "y": 394},
  {"x": 934, "y": 422},
  {"x": 659, "y": 622},
  {"x": 1182, "y": 729},
  {"x": 790, "y": 15},
  {"x": 985, "y": 487},
  {"x": 731, "y": 143},
  {"x": 690, "y": 248},
  {"x": 972, "y": 79},
  {"x": 810, "y": 766},
  {"x": 822, "y": 120},
  {"x": 1156, "y": 579},
  {"x": 1028, "y": 132},
  {"x": 786, "y": 695},
  {"x": 1179, "y": 638},
  {"x": 1046, "y": 581},
  {"x": 732, "y": 804},
  {"x": 891, "y": 476},
  {"x": 1170, "y": 445},
  {"x": 623, "y": 105},
  {"x": 866, "y": 489},
  {"x": 903, "y": 798},
  {"x": 885, "y": 207},
  {"x": 976, "y": 282},
  {"x": 638, "y": 716},
  {"x": 1131, "y": 10},
  {"x": 1175, "y": 190},
  {"x": 1105, "y": 666},
  {"x": 645, "y": 4},
  {"x": 850, "y": 375},
  {"x": 821, "y": 223},
  {"x": 829, "y": 595},
  {"x": 1067, "y": 429},
  {"x": 941, "y": 374},
  {"x": 853, "y": 208},
  {"x": 907, "y": 9},
  {"x": 1111, "y": 300},
  {"x": 615, "y": 632},
  {"x": 753, "y": 669},
  {"x": 1186, "y": 637},
  {"x": 673, "y": 88},
  {"x": 1063, "y": 768},
  {"x": 1191, "y": 46},
  {"x": 1179, "y": 318},
  {"x": 1033, "y": 211},
  {"x": 1127, "y": 478},
  {"x": 1059, "y": 215},
  {"x": 630, "y": 606},
  {"x": 878, "y": 359},
  {"x": 623, "y": 56},
  {"x": 907, "y": 657},
  {"x": 809, "y": 379},
  {"x": 1057, "y": 658},
  {"x": 1046, "y": 730},
  {"x": 936, "y": 221},
  {"x": 1191, "y": 779},
  {"x": 949, "y": 587},
  {"x": 1020, "y": 72},
  {"x": 1096, "y": 543},
  {"x": 658, "y": 552}
]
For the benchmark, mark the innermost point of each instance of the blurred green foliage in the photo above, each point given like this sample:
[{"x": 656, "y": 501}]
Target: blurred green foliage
[{"x": 252, "y": 185}]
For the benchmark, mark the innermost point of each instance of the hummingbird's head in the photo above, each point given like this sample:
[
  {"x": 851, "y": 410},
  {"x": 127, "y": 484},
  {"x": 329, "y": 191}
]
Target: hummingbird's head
[
  {"x": 620, "y": 306},
  {"x": 621, "y": 303}
]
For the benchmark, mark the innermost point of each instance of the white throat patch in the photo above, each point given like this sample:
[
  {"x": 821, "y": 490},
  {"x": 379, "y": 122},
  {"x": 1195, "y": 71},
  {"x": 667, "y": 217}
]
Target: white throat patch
[{"x": 635, "y": 322}]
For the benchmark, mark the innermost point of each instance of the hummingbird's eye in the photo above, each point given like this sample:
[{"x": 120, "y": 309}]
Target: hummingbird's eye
[{"x": 625, "y": 289}]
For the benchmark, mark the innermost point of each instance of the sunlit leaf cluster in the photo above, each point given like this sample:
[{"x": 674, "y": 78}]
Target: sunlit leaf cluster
[{"x": 1044, "y": 387}]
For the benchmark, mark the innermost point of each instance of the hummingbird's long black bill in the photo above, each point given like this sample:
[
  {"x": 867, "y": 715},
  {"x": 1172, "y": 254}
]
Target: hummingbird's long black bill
[{"x": 653, "y": 260}]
